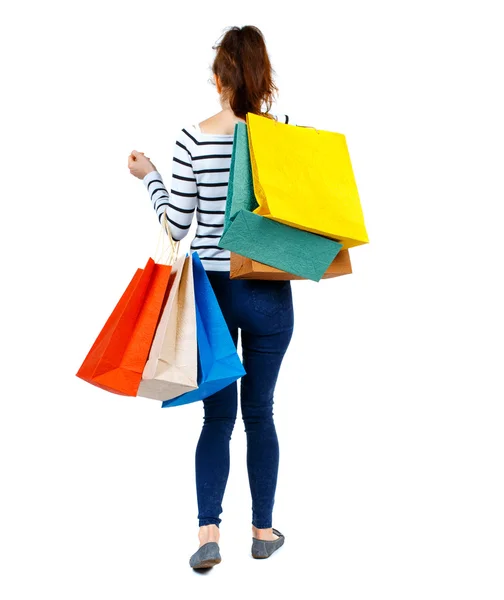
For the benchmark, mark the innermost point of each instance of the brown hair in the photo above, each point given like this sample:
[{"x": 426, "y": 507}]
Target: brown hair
[{"x": 245, "y": 72}]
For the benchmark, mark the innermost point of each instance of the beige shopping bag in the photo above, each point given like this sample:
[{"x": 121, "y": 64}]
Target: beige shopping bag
[{"x": 172, "y": 366}]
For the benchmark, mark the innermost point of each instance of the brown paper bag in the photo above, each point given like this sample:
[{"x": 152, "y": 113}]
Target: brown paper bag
[{"x": 246, "y": 268}]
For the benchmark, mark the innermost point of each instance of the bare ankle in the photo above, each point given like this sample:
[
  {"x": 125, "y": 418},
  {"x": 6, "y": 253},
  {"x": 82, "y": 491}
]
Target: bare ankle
[
  {"x": 208, "y": 533},
  {"x": 263, "y": 534}
]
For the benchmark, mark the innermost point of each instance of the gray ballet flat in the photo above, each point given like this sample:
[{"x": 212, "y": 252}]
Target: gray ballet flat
[
  {"x": 265, "y": 548},
  {"x": 206, "y": 556}
]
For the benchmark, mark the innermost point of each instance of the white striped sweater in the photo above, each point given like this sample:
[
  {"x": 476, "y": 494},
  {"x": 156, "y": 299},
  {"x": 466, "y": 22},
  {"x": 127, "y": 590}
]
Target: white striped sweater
[{"x": 200, "y": 175}]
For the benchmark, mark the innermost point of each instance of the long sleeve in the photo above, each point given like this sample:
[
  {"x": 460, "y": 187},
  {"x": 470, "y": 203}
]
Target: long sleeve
[{"x": 180, "y": 202}]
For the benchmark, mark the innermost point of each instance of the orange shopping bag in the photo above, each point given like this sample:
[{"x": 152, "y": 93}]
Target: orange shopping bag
[{"x": 117, "y": 358}]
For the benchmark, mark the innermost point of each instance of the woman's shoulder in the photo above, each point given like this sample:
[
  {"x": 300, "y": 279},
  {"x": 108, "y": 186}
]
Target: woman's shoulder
[
  {"x": 195, "y": 129},
  {"x": 215, "y": 123}
]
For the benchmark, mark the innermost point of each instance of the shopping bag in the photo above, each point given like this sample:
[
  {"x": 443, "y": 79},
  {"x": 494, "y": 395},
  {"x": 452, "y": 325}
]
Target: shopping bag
[
  {"x": 117, "y": 358},
  {"x": 303, "y": 177},
  {"x": 281, "y": 246},
  {"x": 218, "y": 362},
  {"x": 242, "y": 267},
  {"x": 172, "y": 366}
]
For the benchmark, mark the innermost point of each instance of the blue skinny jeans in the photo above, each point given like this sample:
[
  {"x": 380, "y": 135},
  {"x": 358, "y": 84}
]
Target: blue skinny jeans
[{"x": 263, "y": 311}]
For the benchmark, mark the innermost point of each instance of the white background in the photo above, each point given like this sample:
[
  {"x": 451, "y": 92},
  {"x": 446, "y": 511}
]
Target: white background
[{"x": 389, "y": 404}]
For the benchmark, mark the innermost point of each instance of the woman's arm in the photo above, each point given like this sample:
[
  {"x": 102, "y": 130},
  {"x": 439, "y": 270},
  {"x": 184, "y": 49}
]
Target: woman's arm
[{"x": 180, "y": 202}]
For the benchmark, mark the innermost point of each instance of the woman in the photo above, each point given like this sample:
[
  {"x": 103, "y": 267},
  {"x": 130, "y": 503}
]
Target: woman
[{"x": 261, "y": 309}]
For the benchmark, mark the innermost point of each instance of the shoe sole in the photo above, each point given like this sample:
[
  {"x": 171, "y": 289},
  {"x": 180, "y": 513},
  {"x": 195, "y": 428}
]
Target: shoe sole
[{"x": 209, "y": 562}]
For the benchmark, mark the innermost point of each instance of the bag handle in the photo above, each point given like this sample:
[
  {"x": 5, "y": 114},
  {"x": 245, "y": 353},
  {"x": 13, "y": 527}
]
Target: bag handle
[
  {"x": 306, "y": 126},
  {"x": 173, "y": 247},
  {"x": 309, "y": 127}
]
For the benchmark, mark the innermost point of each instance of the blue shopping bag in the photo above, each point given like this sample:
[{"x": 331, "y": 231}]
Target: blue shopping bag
[{"x": 218, "y": 362}]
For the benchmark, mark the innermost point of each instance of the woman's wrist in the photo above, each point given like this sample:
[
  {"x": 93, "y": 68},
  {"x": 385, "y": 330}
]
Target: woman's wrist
[{"x": 148, "y": 177}]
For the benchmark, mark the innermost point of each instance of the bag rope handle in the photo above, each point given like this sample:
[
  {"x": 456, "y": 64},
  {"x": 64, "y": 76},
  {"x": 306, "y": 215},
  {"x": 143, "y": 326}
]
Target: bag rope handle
[{"x": 173, "y": 247}]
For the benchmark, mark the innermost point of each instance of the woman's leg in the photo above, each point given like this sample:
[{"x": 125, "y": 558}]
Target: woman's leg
[
  {"x": 262, "y": 357},
  {"x": 220, "y": 409},
  {"x": 267, "y": 321},
  {"x": 212, "y": 453}
]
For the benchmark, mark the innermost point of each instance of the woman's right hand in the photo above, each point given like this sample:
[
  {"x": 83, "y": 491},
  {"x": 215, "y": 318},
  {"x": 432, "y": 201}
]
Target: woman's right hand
[{"x": 139, "y": 164}]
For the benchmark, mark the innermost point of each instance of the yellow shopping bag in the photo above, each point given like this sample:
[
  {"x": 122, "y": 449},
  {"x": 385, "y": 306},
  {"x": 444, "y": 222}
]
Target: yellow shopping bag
[{"x": 303, "y": 177}]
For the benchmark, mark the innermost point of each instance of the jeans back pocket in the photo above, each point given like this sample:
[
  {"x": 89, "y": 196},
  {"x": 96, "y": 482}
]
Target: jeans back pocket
[{"x": 269, "y": 297}]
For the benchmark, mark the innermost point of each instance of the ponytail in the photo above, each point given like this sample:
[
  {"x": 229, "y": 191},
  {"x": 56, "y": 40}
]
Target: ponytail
[{"x": 244, "y": 70}]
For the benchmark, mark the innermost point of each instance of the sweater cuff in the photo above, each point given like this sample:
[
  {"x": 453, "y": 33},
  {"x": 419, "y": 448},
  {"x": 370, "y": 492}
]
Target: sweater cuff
[{"x": 151, "y": 177}]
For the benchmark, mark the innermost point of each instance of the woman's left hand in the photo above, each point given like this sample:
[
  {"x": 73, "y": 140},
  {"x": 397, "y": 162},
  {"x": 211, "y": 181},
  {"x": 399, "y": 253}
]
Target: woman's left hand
[{"x": 139, "y": 164}]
